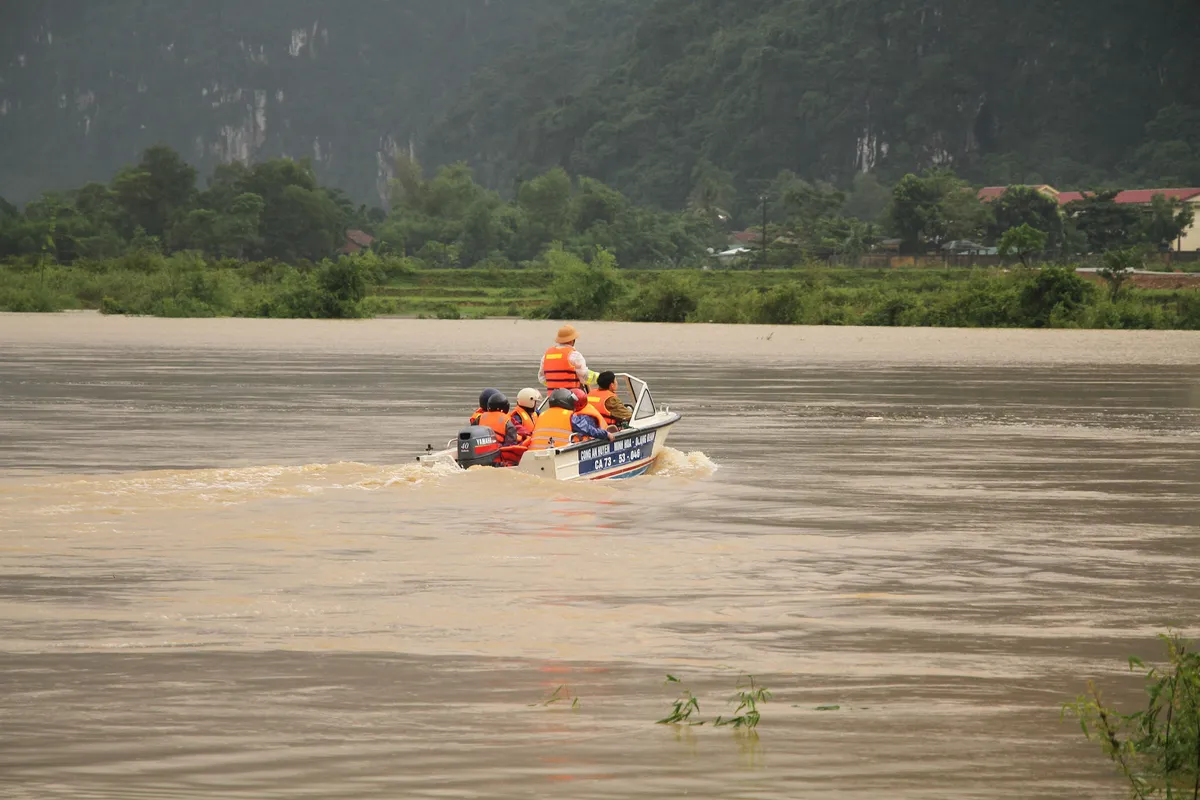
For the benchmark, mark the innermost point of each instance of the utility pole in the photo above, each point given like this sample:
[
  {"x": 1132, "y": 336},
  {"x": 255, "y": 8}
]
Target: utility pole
[{"x": 762, "y": 263}]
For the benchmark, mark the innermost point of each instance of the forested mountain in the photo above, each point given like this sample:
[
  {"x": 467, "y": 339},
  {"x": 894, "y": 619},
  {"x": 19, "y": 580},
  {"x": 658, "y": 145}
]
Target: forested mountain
[
  {"x": 651, "y": 96},
  {"x": 87, "y": 85},
  {"x": 1020, "y": 90}
]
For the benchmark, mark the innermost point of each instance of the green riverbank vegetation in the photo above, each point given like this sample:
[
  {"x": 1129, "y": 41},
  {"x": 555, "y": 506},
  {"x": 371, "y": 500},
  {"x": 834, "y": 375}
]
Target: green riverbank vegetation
[
  {"x": 560, "y": 285},
  {"x": 1155, "y": 748},
  {"x": 268, "y": 240}
]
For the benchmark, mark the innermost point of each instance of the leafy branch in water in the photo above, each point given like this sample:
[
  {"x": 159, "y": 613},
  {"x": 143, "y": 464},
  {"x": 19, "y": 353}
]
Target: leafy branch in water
[
  {"x": 1157, "y": 749},
  {"x": 561, "y": 694},
  {"x": 749, "y": 696},
  {"x": 683, "y": 708}
]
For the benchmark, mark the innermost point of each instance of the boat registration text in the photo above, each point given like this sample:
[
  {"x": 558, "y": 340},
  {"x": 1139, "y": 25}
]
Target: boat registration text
[{"x": 616, "y": 454}]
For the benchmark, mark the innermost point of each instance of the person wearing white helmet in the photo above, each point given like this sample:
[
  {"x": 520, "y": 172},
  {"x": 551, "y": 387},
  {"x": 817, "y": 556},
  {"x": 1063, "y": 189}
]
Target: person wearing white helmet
[{"x": 525, "y": 414}]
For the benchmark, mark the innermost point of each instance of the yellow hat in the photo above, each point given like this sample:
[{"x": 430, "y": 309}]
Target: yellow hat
[{"x": 566, "y": 334}]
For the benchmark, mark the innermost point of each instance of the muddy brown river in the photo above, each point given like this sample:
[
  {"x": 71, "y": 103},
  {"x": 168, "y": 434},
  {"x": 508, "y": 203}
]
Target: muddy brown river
[{"x": 223, "y": 574}]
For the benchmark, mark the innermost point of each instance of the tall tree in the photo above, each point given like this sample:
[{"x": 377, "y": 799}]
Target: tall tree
[
  {"x": 1105, "y": 224},
  {"x": 935, "y": 208},
  {"x": 1024, "y": 205},
  {"x": 156, "y": 190}
]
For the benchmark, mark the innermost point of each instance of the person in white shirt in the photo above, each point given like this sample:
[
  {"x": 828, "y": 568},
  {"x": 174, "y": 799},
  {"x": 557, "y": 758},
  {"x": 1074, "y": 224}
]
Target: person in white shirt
[{"x": 564, "y": 367}]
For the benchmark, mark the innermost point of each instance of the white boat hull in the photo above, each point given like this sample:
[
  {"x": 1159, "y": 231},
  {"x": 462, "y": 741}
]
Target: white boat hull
[{"x": 632, "y": 453}]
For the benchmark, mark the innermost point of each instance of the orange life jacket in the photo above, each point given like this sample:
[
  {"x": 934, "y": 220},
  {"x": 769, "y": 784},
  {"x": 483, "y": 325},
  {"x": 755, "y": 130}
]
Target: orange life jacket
[
  {"x": 588, "y": 411},
  {"x": 557, "y": 369},
  {"x": 554, "y": 424},
  {"x": 596, "y": 401},
  {"x": 522, "y": 418},
  {"x": 498, "y": 422},
  {"x": 479, "y": 412}
]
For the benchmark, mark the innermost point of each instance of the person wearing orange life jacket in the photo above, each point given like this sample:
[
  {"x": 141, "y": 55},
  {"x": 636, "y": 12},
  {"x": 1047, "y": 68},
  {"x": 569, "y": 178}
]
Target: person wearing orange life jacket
[
  {"x": 582, "y": 408},
  {"x": 525, "y": 414},
  {"x": 483, "y": 405},
  {"x": 499, "y": 419},
  {"x": 586, "y": 422},
  {"x": 559, "y": 423},
  {"x": 605, "y": 401},
  {"x": 563, "y": 367}
]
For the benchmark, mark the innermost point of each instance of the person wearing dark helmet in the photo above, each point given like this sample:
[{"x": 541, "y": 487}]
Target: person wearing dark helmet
[
  {"x": 499, "y": 418},
  {"x": 483, "y": 405},
  {"x": 559, "y": 423}
]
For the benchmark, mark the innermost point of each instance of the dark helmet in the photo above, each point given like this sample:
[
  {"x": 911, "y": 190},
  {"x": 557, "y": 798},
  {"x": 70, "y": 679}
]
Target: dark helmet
[
  {"x": 485, "y": 395},
  {"x": 498, "y": 402},
  {"x": 562, "y": 398}
]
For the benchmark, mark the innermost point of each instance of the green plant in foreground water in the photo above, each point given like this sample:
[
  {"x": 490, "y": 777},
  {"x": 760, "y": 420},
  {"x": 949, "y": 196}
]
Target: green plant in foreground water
[
  {"x": 748, "y": 696},
  {"x": 561, "y": 694},
  {"x": 683, "y": 708},
  {"x": 1156, "y": 749}
]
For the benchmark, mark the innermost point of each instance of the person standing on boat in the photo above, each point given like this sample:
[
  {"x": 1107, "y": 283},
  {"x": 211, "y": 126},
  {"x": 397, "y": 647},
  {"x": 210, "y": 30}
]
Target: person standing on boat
[
  {"x": 559, "y": 423},
  {"x": 605, "y": 401},
  {"x": 564, "y": 367}
]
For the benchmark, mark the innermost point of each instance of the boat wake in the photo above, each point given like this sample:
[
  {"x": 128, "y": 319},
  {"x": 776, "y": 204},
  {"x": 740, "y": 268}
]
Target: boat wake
[
  {"x": 236, "y": 485},
  {"x": 678, "y": 464}
]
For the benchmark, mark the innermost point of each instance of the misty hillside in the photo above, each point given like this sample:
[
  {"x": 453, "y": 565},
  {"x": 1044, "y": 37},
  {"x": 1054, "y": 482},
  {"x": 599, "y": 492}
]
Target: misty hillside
[
  {"x": 1021, "y": 90},
  {"x": 86, "y": 85},
  {"x": 639, "y": 93}
]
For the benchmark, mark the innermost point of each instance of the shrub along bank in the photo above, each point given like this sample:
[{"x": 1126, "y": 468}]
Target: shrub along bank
[{"x": 560, "y": 285}]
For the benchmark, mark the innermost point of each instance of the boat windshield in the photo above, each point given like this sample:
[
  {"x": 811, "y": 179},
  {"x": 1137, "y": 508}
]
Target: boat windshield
[
  {"x": 632, "y": 391},
  {"x": 625, "y": 390},
  {"x": 635, "y": 393}
]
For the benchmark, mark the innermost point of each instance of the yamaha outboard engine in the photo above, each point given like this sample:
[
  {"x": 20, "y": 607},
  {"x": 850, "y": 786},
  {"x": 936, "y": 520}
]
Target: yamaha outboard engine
[{"x": 477, "y": 446}]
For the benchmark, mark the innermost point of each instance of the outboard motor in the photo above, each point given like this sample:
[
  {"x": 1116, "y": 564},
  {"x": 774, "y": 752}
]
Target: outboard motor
[{"x": 477, "y": 446}]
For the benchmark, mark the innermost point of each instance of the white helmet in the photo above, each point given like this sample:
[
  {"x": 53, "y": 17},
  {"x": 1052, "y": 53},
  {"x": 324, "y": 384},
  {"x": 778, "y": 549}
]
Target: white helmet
[{"x": 529, "y": 398}]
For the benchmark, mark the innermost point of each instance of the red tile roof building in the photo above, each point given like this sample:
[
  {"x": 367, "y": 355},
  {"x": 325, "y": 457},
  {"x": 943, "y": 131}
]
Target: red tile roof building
[
  {"x": 355, "y": 241},
  {"x": 1190, "y": 240}
]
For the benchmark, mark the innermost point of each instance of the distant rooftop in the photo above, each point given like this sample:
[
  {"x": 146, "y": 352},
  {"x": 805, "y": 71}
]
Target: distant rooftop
[{"x": 1130, "y": 197}]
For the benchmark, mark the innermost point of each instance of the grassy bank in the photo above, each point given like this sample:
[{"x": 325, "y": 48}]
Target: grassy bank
[{"x": 563, "y": 287}]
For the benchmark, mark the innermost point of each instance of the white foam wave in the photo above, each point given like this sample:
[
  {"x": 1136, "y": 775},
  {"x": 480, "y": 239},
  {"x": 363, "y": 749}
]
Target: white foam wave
[
  {"x": 674, "y": 463},
  {"x": 236, "y": 485}
]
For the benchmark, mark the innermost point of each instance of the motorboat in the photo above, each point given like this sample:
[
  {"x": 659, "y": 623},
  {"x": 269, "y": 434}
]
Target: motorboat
[{"x": 632, "y": 452}]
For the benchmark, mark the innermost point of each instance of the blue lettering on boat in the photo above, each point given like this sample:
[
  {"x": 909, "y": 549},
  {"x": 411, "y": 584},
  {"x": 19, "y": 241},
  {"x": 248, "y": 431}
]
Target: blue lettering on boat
[{"x": 612, "y": 455}]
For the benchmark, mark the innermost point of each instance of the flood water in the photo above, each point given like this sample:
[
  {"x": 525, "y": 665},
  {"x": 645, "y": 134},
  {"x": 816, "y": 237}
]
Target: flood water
[{"x": 222, "y": 572}]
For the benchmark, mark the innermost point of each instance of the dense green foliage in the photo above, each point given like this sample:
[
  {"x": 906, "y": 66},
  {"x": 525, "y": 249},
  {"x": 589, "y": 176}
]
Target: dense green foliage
[
  {"x": 272, "y": 210},
  {"x": 1157, "y": 748},
  {"x": 265, "y": 240},
  {"x": 937, "y": 207},
  {"x": 1048, "y": 297},
  {"x": 185, "y": 285},
  {"x": 1014, "y": 92},
  {"x": 559, "y": 284},
  {"x": 277, "y": 210},
  {"x": 451, "y": 221}
]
